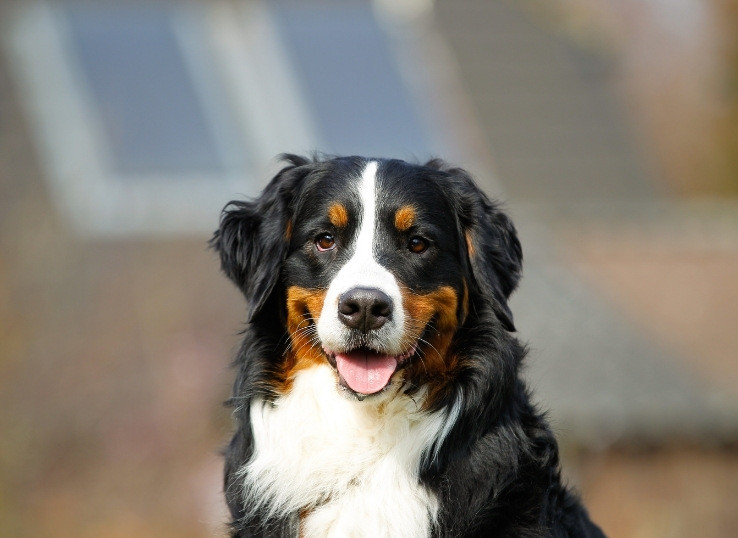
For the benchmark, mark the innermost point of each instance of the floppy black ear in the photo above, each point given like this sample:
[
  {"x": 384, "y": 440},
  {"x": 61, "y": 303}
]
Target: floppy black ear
[
  {"x": 254, "y": 236},
  {"x": 491, "y": 241},
  {"x": 495, "y": 255}
]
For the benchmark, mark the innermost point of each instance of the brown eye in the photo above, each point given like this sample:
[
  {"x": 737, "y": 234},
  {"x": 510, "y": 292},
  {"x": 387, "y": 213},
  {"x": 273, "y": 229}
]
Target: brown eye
[
  {"x": 416, "y": 245},
  {"x": 325, "y": 242}
]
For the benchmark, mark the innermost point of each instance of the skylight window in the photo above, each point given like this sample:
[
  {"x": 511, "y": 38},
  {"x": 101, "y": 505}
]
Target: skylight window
[
  {"x": 160, "y": 108},
  {"x": 149, "y": 117},
  {"x": 351, "y": 79}
]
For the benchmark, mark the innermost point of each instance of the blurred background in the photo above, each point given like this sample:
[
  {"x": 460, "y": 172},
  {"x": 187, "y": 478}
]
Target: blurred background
[{"x": 609, "y": 127}]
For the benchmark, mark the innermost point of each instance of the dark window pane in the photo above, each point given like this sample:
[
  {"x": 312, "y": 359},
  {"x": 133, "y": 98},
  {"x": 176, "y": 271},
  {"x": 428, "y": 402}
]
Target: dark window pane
[
  {"x": 136, "y": 72},
  {"x": 351, "y": 80}
]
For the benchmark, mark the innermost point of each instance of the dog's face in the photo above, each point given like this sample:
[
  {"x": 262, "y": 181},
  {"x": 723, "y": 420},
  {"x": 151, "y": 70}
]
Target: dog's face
[
  {"x": 375, "y": 277},
  {"x": 373, "y": 266}
]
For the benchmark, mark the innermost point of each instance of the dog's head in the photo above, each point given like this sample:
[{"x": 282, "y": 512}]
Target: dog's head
[{"x": 371, "y": 266}]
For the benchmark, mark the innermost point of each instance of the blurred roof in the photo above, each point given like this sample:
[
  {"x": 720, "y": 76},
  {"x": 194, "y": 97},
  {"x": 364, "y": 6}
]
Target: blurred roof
[
  {"x": 486, "y": 83},
  {"x": 569, "y": 163}
]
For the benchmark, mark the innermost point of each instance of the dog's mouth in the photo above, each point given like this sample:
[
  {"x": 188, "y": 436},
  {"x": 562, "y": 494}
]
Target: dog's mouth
[{"x": 365, "y": 371}]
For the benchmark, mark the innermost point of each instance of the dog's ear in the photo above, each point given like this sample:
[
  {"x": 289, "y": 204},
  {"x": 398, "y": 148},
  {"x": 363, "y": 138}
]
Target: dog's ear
[
  {"x": 254, "y": 236},
  {"x": 495, "y": 255},
  {"x": 490, "y": 241}
]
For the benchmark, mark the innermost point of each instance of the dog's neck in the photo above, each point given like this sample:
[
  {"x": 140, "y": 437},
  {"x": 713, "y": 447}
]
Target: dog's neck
[{"x": 349, "y": 468}]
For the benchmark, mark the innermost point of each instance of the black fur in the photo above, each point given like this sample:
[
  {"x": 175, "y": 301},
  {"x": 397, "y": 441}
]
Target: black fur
[{"x": 497, "y": 472}]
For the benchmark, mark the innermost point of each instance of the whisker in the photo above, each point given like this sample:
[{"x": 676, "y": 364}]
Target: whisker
[{"x": 427, "y": 343}]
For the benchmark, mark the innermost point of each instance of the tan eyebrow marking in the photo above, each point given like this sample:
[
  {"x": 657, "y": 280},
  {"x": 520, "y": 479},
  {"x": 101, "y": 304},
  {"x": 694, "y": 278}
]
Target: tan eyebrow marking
[
  {"x": 404, "y": 218},
  {"x": 338, "y": 215}
]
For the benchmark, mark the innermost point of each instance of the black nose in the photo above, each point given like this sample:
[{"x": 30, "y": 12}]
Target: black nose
[{"x": 365, "y": 309}]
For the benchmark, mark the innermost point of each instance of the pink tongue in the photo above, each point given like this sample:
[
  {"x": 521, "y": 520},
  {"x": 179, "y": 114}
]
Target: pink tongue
[{"x": 365, "y": 371}]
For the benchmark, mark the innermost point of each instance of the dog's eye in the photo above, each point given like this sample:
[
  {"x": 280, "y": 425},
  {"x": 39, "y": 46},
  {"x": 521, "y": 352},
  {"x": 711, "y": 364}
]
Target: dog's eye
[
  {"x": 325, "y": 242},
  {"x": 416, "y": 245}
]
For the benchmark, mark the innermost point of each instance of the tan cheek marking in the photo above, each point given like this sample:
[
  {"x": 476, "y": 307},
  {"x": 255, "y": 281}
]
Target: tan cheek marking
[
  {"x": 441, "y": 304},
  {"x": 405, "y": 217},
  {"x": 288, "y": 231},
  {"x": 338, "y": 215},
  {"x": 303, "y": 310},
  {"x": 436, "y": 365}
]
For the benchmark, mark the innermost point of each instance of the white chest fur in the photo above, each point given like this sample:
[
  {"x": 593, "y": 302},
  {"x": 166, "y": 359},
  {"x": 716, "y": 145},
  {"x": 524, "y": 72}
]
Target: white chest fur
[{"x": 352, "y": 466}]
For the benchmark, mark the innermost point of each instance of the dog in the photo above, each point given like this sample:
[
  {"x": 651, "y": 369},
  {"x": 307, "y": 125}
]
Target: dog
[{"x": 377, "y": 391}]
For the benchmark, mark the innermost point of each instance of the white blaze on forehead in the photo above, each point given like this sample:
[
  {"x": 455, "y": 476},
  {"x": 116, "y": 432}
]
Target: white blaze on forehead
[
  {"x": 368, "y": 195},
  {"x": 363, "y": 270}
]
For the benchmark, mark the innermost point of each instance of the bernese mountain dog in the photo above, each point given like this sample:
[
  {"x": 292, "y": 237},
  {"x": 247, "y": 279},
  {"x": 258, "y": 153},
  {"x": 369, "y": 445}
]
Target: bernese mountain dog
[{"x": 378, "y": 389}]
